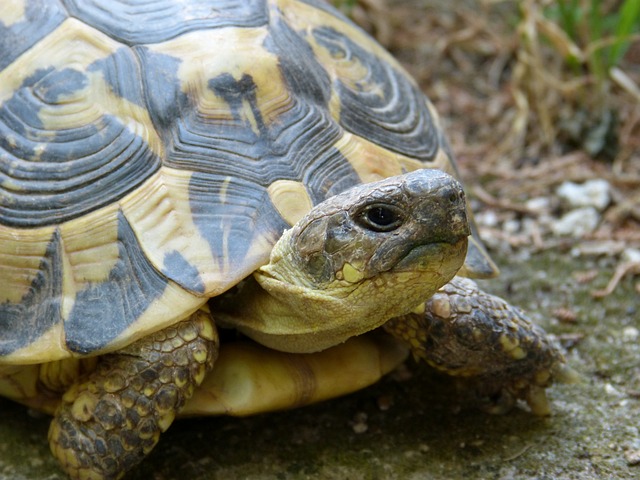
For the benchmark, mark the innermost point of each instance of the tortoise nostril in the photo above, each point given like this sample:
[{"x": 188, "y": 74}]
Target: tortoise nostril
[{"x": 455, "y": 197}]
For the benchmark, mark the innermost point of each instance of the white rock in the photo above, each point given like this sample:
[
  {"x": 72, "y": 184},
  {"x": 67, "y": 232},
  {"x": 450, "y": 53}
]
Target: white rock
[
  {"x": 613, "y": 391},
  {"x": 539, "y": 204},
  {"x": 487, "y": 218},
  {"x": 630, "y": 255},
  {"x": 530, "y": 226},
  {"x": 577, "y": 222},
  {"x": 511, "y": 226},
  {"x": 630, "y": 334},
  {"x": 592, "y": 193}
]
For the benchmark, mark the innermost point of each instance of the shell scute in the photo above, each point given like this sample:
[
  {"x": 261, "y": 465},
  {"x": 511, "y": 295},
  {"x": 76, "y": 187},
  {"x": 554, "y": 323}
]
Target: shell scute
[
  {"x": 129, "y": 22},
  {"x": 377, "y": 101},
  {"x": 39, "y": 309},
  {"x": 237, "y": 219},
  {"x": 102, "y": 311},
  {"x": 69, "y": 145},
  {"x": 24, "y": 23}
]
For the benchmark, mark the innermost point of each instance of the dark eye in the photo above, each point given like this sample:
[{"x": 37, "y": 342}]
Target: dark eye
[{"x": 381, "y": 218}]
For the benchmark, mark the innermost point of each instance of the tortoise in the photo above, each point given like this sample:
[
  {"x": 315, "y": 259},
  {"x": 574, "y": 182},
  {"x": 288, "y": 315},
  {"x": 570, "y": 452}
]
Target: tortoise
[{"x": 261, "y": 167}]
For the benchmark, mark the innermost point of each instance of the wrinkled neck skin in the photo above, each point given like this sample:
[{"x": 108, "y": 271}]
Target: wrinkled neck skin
[{"x": 354, "y": 261}]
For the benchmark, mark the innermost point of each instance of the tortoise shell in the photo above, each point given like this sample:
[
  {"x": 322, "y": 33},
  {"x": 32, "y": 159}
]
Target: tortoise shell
[{"x": 151, "y": 157}]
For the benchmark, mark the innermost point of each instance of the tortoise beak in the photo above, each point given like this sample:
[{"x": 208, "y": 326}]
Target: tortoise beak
[{"x": 440, "y": 210}]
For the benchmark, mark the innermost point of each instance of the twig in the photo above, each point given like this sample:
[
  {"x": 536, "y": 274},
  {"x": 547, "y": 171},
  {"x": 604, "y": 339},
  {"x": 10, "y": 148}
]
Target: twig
[
  {"x": 623, "y": 269},
  {"x": 519, "y": 453}
]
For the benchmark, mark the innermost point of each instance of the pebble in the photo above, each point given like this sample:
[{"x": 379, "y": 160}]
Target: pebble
[
  {"x": 385, "y": 402},
  {"x": 359, "y": 423},
  {"x": 539, "y": 205},
  {"x": 613, "y": 391},
  {"x": 630, "y": 334},
  {"x": 511, "y": 226},
  {"x": 631, "y": 255},
  {"x": 577, "y": 223},
  {"x": 633, "y": 457},
  {"x": 487, "y": 218},
  {"x": 592, "y": 193}
]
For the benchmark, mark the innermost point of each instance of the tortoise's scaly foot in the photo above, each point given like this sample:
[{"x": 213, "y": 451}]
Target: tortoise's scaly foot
[
  {"x": 111, "y": 420},
  {"x": 490, "y": 346}
]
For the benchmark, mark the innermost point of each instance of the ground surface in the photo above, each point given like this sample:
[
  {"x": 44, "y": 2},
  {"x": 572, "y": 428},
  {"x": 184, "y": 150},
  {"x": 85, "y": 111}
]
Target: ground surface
[
  {"x": 414, "y": 428},
  {"x": 593, "y": 433}
]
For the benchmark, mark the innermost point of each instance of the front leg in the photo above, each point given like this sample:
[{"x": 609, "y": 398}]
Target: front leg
[
  {"x": 110, "y": 420},
  {"x": 490, "y": 345}
]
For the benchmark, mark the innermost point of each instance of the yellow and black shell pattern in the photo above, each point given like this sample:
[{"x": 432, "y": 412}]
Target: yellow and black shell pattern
[{"x": 153, "y": 151}]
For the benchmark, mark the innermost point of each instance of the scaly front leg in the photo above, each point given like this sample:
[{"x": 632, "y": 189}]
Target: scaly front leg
[
  {"x": 490, "y": 345},
  {"x": 109, "y": 421}
]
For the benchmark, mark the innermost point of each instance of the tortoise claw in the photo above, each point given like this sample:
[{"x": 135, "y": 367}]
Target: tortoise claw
[{"x": 537, "y": 400}]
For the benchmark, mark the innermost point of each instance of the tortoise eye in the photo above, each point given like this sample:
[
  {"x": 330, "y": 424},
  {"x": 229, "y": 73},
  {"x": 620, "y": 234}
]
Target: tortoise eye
[{"x": 381, "y": 218}]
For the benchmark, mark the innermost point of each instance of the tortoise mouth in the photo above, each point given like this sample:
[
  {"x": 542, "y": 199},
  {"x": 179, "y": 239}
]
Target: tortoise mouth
[{"x": 442, "y": 258}]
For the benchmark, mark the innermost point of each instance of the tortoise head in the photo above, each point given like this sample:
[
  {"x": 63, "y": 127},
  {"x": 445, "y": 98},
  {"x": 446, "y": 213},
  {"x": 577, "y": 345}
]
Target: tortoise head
[
  {"x": 373, "y": 252},
  {"x": 412, "y": 224}
]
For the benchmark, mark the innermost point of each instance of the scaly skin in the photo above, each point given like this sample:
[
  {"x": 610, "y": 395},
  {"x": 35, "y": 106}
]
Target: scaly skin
[
  {"x": 491, "y": 346},
  {"x": 109, "y": 421}
]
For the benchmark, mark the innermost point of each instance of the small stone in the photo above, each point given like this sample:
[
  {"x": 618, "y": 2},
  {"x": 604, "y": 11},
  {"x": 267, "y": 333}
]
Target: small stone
[
  {"x": 511, "y": 226},
  {"x": 487, "y": 218},
  {"x": 530, "y": 226},
  {"x": 385, "y": 402},
  {"x": 565, "y": 315},
  {"x": 359, "y": 423},
  {"x": 613, "y": 391},
  {"x": 539, "y": 204},
  {"x": 631, "y": 255},
  {"x": 630, "y": 334},
  {"x": 409, "y": 454},
  {"x": 633, "y": 457},
  {"x": 592, "y": 193},
  {"x": 577, "y": 223},
  {"x": 360, "y": 428}
]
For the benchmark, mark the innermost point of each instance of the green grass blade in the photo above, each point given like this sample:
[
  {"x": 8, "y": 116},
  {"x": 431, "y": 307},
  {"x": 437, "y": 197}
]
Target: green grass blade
[
  {"x": 567, "y": 13},
  {"x": 628, "y": 22},
  {"x": 596, "y": 29}
]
